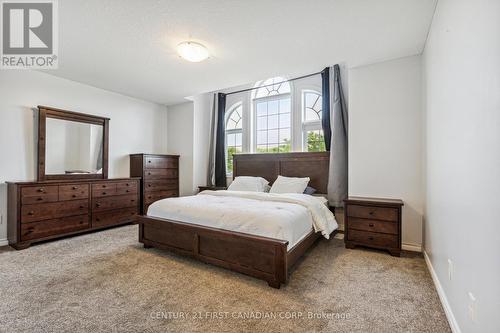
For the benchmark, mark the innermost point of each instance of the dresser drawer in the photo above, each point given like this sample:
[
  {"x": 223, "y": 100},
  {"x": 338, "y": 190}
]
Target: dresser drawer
[
  {"x": 370, "y": 212},
  {"x": 373, "y": 238},
  {"x": 122, "y": 201},
  {"x": 114, "y": 217},
  {"x": 126, "y": 188},
  {"x": 373, "y": 225},
  {"x": 53, "y": 227},
  {"x": 161, "y": 185},
  {"x": 39, "y": 194},
  {"x": 151, "y": 197},
  {"x": 160, "y": 163},
  {"x": 160, "y": 173},
  {"x": 73, "y": 192},
  {"x": 103, "y": 190},
  {"x": 32, "y": 213}
]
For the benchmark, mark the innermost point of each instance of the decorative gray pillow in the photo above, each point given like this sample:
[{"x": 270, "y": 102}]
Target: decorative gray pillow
[{"x": 309, "y": 190}]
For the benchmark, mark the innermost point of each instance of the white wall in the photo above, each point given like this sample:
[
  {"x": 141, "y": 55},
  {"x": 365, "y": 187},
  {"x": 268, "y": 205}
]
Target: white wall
[
  {"x": 462, "y": 92},
  {"x": 385, "y": 137},
  {"x": 180, "y": 141},
  {"x": 135, "y": 126},
  {"x": 202, "y": 108}
]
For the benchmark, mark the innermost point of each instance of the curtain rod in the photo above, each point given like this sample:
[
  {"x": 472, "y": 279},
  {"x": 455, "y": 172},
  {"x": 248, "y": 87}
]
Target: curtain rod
[{"x": 273, "y": 84}]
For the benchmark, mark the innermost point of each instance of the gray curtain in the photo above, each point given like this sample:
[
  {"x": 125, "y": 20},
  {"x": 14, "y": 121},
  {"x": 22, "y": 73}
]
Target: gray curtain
[
  {"x": 337, "y": 180},
  {"x": 212, "y": 141}
]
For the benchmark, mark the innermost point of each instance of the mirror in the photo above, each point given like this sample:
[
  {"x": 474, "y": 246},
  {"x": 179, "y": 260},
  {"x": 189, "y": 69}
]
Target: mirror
[{"x": 71, "y": 145}]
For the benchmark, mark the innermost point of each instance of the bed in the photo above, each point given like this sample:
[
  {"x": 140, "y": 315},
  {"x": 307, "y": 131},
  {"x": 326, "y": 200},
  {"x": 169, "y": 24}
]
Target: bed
[{"x": 204, "y": 233}]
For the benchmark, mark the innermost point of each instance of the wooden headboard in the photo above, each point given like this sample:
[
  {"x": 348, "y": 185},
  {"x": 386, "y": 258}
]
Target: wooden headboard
[{"x": 269, "y": 166}]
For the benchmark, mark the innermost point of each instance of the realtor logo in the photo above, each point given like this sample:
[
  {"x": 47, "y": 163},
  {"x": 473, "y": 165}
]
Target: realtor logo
[{"x": 29, "y": 34}]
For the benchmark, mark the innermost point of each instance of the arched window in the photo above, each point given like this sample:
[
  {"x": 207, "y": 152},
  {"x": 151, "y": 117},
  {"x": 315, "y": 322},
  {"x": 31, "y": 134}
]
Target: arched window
[
  {"x": 272, "y": 116},
  {"x": 312, "y": 132},
  {"x": 234, "y": 134}
]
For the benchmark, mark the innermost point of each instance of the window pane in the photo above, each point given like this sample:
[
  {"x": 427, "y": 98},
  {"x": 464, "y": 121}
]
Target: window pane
[
  {"x": 261, "y": 109},
  {"x": 315, "y": 141},
  {"x": 261, "y": 123},
  {"x": 238, "y": 139},
  {"x": 284, "y": 105},
  {"x": 285, "y": 120},
  {"x": 261, "y": 137},
  {"x": 272, "y": 107},
  {"x": 230, "y": 140},
  {"x": 272, "y": 122},
  {"x": 312, "y": 106},
  {"x": 262, "y": 148},
  {"x": 272, "y": 136},
  {"x": 285, "y": 135}
]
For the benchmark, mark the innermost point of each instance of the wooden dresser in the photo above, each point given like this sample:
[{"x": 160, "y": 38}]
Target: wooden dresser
[
  {"x": 160, "y": 177},
  {"x": 373, "y": 223},
  {"x": 39, "y": 211}
]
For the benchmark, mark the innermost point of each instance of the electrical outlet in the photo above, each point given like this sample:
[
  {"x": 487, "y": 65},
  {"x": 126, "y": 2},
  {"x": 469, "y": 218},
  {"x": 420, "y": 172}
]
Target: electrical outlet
[
  {"x": 472, "y": 307},
  {"x": 450, "y": 269}
]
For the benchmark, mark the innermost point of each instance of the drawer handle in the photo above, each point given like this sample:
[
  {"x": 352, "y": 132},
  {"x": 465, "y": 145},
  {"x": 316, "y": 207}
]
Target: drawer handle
[
  {"x": 149, "y": 161},
  {"x": 132, "y": 200},
  {"x": 149, "y": 185},
  {"x": 29, "y": 231},
  {"x": 128, "y": 184},
  {"x": 149, "y": 173},
  {"x": 82, "y": 207},
  {"x": 128, "y": 191},
  {"x": 371, "y": 213},
  {"x": 81, "y": 222},
  {"x": 371, "y": 225},
  {"x": 370, "y": 238},
  {"x": 97, "y": 219},
  {"x": 31, "y": 213},
  {"x": 103, "y": 193},
  {"x": 103, "y": 186},
  {"x": 39, "y": 199},
  {"x": 98, "y": 205},
  {"x": 75, "y": 187},
  {"x": 74, "y": 195},
  {"x": 41, "y": 190}
]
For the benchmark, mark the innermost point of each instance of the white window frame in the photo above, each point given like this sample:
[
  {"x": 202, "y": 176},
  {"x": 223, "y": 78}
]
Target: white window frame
[
  {"x": 310, "y": 125},
  {"x": 254, "y": 117},
  {"x": 227, "y": 115}
]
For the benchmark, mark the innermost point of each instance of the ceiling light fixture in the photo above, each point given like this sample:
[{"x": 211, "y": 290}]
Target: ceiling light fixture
[{"x": 192, "y": 51}]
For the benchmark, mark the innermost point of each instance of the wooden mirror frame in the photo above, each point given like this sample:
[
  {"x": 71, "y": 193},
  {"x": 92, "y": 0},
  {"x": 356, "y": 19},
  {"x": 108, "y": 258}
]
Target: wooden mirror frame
[{"x": 45, "y": 112}]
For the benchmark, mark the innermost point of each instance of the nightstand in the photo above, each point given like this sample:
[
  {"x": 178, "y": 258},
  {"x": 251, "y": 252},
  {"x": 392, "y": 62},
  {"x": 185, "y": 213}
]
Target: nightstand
[
  {"x": 213, "y": 188},
  {"x": 373, "y": 222}
]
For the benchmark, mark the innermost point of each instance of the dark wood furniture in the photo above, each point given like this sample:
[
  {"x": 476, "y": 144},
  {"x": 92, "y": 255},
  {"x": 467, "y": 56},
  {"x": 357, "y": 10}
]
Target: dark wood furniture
[
  {"x": 211, "y": 188},
  {"x": 39, "y": 211},
  {"x": 160, "y": 177},
  {"x": 260, "y": 257},
  {"x": 45, "y": 112},
  {"x": 373, "y": 223}
]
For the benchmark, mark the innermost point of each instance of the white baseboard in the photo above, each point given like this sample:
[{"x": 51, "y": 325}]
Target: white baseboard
[
  {"x": 442, "y": 297},
  {"x": 4, "y": 242},
  {"x": 411, "y": 247}
]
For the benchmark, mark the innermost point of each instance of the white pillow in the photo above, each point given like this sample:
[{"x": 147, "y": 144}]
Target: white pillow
[
  {"x": 289, "y": 185},
  {"x": 247, "y": 183}
]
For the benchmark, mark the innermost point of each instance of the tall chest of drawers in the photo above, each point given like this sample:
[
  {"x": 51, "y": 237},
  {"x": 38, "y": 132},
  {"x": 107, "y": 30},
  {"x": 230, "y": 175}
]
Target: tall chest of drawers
[
  {"x": 373, "y": 222},
  {"x": 39, "y": 211},
  {"x": 160, "y": 177}
]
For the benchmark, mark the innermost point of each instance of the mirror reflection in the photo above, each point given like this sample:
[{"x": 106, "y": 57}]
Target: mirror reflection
[{"x": 73, "y": 147}]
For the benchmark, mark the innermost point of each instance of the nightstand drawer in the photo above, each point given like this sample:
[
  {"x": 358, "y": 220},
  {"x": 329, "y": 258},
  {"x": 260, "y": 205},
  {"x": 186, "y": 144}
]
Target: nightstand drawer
[
  {"x": 373, "y": 225},
  {"x": 373, "y": 238},
  {"x": 371, "y": 212}
]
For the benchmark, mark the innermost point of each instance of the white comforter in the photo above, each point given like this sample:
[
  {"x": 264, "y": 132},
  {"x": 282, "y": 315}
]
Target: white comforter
[{"x": 281, "y": 216}]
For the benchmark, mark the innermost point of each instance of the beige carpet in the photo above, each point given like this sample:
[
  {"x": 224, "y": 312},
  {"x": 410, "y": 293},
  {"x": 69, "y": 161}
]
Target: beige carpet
[{"x": 106, "y": 282}]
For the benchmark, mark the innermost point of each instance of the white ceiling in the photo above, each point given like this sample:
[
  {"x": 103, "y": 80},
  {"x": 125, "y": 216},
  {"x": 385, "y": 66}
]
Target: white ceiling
[{"x": 128, "y": 46}]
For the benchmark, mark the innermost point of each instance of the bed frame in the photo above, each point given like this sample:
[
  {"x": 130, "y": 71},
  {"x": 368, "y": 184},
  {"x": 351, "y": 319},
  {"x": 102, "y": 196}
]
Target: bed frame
[{"x": 261, "y": 257}]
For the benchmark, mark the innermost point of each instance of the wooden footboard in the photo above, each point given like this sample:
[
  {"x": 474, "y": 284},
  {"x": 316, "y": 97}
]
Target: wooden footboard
[{"x": 260, "y": 257}]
